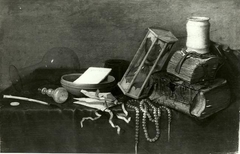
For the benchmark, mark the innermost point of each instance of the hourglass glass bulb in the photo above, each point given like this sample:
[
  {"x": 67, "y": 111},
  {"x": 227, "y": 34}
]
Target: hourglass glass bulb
[{"x": 59, "y": 95}]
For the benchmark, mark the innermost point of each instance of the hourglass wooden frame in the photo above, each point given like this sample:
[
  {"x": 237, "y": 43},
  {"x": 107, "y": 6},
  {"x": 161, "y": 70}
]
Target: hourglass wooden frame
[{"x": 135, "y": 82}]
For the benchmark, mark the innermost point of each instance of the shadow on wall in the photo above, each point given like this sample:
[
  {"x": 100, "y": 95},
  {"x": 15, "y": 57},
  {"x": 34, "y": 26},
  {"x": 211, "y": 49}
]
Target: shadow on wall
[{"x": 231, "y": 69}]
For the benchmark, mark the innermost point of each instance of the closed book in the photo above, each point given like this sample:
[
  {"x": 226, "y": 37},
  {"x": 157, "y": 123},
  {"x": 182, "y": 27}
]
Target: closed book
[
  {"x": 192, "y": 67},
  {"x": 199, "y": 100}
]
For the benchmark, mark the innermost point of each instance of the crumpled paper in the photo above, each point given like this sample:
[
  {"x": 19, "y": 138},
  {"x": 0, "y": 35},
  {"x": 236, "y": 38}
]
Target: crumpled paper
[{"x": 102, "y": 101}]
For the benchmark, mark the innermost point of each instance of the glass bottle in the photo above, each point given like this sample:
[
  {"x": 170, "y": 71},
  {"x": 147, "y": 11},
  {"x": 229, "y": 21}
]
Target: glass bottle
[{"x": 55, "y": 63}]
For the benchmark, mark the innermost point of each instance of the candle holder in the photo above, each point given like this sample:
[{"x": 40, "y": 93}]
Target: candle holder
[{"x": 154, "y": 46}]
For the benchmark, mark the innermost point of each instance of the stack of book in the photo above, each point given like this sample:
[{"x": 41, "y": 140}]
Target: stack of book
[{"x": 189, "y": 85}]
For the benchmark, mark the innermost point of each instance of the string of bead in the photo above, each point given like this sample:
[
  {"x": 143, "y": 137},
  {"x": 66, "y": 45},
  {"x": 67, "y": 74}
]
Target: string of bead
[
  {"x": 169, "y": 120},
  {"x": 146, "y": 114},
  {"x": 130, "y": 105},
  {"x": 144, "y": 107},
  {"x": 169, "y": 117}
]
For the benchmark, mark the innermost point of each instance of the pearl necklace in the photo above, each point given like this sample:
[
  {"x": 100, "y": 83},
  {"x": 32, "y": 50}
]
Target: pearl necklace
[
  {"x": 169, "y": 119},
  {"x": 143, "y": 105},
  {"x": 155, "y": 119},
  {"x": 129, "y": 104}
]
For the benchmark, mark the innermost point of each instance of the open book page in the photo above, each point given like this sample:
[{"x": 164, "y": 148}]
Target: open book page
[{"x": 93, "y": 75}]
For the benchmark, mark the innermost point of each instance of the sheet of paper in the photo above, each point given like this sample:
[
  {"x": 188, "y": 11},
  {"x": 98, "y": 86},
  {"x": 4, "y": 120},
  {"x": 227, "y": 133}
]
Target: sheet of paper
[{"x": 93, "y": 75}]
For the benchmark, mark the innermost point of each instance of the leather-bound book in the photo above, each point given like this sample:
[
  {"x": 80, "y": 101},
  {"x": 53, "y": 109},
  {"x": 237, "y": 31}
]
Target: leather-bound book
[
  {"x": 193, "y": 67},
  {"x": 199, "y": 100}
]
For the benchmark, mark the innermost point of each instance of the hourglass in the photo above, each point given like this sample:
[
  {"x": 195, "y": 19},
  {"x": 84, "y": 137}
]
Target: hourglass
[
  {"x": 55, "y": 63},
  {"x": 148, "y": 59}
]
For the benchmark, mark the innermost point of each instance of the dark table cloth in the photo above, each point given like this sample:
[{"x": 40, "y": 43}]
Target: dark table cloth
[{"x": 32, "y": 127}]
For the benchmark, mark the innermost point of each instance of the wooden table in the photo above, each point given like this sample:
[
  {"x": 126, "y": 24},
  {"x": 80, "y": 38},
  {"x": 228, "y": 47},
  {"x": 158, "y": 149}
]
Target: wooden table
[{"x": 32, "y": 127}]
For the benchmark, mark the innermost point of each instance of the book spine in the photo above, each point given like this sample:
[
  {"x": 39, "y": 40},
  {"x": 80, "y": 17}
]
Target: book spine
[{"x": 182, "y": 107}]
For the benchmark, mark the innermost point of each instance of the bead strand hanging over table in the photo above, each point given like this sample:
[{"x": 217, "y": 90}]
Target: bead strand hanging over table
[
  {"x": 155, "y": 119},
  {"x": 130, "y": 105},
  {"x": 146, "y": 106}
]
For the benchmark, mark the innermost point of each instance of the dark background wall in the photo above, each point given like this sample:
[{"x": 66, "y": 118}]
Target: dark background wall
[{"x": 98, "y": 30}]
